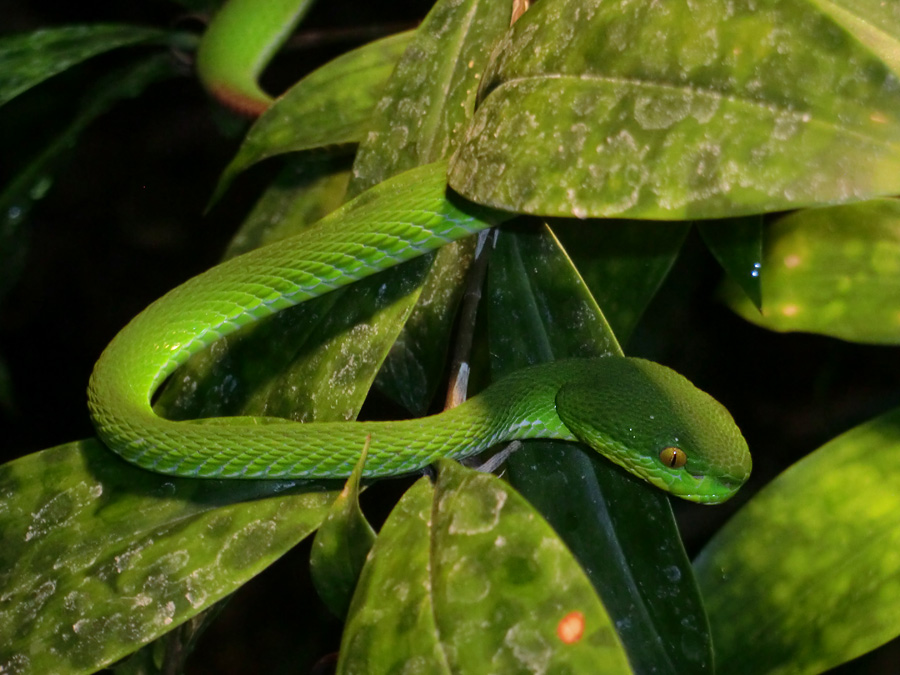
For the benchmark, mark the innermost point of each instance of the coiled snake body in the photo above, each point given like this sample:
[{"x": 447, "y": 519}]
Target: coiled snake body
[{"x": 641, "y": 415}]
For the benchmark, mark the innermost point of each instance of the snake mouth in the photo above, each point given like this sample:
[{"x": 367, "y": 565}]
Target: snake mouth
[{"x": 715, "y": 490}]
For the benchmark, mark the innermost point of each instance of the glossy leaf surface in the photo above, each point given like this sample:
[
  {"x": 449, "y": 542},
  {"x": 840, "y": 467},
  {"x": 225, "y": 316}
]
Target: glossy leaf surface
[
  {"x": 98, "y": 557},
  {"x": 430, "y": 95},
  {"x": 874, "y": 23},
  {"x": 678, "y": 110},
  {"x": 833, "y": 271},
  {"x": 391, "y": 621},
  {"x": 468, "y": 578},
  {"x": 805, "y": 576}
]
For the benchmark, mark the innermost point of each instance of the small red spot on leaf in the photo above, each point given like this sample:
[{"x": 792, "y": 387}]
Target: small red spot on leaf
[{"x": 571, "y": 627}]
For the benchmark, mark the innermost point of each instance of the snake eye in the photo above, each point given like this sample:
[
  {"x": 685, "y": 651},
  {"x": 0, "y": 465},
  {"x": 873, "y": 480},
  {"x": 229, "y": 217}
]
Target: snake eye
[{"x": 673, "y": 457}]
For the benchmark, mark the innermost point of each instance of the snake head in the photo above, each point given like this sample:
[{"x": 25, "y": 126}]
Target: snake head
[{"x": 657, "y": 425}]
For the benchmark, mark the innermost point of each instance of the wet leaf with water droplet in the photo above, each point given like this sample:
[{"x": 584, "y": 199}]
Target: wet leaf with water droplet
[
  {"x": 830, "y": 591},
  {"x": 833, "y": 271},
  {"x": 737, "y": 243}
]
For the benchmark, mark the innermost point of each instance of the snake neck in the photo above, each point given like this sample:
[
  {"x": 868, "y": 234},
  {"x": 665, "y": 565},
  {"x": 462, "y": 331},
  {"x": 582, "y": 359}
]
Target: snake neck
[{"x": 524, "y": 402}]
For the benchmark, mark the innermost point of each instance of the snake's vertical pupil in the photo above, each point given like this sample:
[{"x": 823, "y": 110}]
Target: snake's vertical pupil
[{"x": 673, "y": 457}]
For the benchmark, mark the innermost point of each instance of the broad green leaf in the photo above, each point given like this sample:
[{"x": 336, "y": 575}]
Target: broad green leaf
[
  {"x": 34, "y": 181},
  {"x": 28, "y": 59},
  {"x": 676, "y": 110},
  {"x": 621, "y": 530},
  {"x": 806, "y": 575},
  {"x": 98, "y": 557},
  {"x": 833, "y": 271},
  {"x": 429, "y": 97},
  {"x": 341, "y": 545},
  {"x": 539, "y": 307},
  {"x": 426, "y": 101},
  {"x": 625, "y": 537},
  {"x": 623, "y": 263},
  {"x": 391, "y": 620},
  {"x": 507, "y": 591},
  {"x": 331, "y": 106},
  {"x": 737, "y": 243},
  {"x": 468, "y": 578}
]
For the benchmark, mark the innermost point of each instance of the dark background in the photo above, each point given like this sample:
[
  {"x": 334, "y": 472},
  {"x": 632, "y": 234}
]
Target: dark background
[{"x": 123, "y": 222}]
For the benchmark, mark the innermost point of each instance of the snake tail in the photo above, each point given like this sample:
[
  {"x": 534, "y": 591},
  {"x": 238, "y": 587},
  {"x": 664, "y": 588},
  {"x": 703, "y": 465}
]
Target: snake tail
[{"x": 238, "y": 44}]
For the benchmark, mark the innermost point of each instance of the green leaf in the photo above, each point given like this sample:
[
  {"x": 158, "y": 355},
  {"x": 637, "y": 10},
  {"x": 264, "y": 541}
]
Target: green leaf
[
  {"x": 623, "y": 263},
  {"x": 98, "y": 557},
  {"x": 625, "y": 537},
  {"x": 391, "y": 619},
  {"x": 621, "y": 530},
  {"x": 505, "y": 585},
  {"x": 426, "y": 101},
  {"x": 28, "y": 59},
  {"x": 737, "y": 243},
  {"x": 539, "y": 307},
  {"x": 331, "y": 106},
  {"x": 805, "y": 576},
  {"x": 341, "y": 545},
  {"x": 677, "y": 111},
  {"x": 430, "y": 95},
  {"x": 169, "y": 653},
  {"x": 468, "y": 578},
  {"x": 833, "y": 271},
  {"x": 416, "y": 362}
]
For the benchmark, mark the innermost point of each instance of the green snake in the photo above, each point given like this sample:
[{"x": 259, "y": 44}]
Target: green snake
[
  {"x": 239, "y": 42},
  {"x": 641, "y": 415}
]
